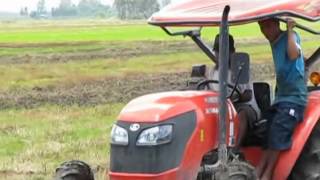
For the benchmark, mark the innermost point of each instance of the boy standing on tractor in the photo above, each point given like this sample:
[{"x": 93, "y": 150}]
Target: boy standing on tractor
[{"x": 290, "y": 96}]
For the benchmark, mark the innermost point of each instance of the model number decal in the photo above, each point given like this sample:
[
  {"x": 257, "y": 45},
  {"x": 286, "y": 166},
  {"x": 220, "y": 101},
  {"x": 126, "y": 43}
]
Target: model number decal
[{"x": 212, "y": 110}]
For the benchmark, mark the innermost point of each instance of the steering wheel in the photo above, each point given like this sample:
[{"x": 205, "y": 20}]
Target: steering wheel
[{"x": 206, "y": 82}]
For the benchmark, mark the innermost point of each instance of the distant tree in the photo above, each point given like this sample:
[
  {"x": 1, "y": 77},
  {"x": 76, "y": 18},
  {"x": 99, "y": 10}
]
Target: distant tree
[
  {"x": 53, "y": 10},
  {"x": 85, "y": 8},
  {"x": 164, "y": 3},
  {"x": 33, "y": 14},
  {"x": 135, "y": 9},
  {"x": 148, "y": 7},
  {"x": 21, "y": 12},
  {"x": 65, "y": 4},
  {"x": 41, "y": 7},
  {"x": 121, "y": 8},
  {"x": 24, "y": 11},
  {"x": 41, "y": 11},
  {"x": 66, "y": 8},
  {"x": 92, "y": 8}
]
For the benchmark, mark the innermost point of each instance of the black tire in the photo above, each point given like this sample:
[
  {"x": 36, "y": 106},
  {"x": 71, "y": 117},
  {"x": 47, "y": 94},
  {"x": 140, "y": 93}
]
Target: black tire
[
  {"x": 204, "y": 176},
  {"x": 74, "y": 170},
  {"x": 308, "y": 165}
]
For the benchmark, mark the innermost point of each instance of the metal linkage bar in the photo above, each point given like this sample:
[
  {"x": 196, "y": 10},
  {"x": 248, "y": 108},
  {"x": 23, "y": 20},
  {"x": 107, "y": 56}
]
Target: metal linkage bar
[{"x": 195, "y": 36}]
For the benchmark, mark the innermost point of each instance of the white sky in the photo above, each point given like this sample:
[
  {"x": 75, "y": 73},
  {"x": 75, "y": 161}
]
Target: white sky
[{"x": 15, "y": 5}]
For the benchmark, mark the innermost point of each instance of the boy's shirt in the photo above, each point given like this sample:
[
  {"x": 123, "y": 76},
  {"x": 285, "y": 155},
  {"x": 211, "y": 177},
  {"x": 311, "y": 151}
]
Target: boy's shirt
[{"x": 291, "y": 86}]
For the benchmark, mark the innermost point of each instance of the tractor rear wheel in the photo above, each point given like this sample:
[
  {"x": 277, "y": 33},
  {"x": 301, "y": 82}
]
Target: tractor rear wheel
[{"x": 308, "y": 164}]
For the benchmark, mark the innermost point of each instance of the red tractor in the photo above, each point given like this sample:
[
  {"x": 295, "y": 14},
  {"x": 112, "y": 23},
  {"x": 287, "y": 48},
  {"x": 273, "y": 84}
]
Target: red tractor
[{"x": 188, "y": 135}]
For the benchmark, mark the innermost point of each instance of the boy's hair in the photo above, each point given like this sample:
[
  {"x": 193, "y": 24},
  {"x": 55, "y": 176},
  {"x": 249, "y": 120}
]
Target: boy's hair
[
  {"x": 231, "y": 43},
  {"x": 270, "y": 19}
]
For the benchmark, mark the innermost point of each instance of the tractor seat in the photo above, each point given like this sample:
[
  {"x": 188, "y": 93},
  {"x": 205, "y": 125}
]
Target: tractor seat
[
  {"x": 262, "y": 94},
  {"x": 263, "y": 99}
]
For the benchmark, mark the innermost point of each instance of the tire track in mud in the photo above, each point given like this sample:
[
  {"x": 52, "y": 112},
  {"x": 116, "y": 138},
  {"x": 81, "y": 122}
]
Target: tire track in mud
[
  {"x": 111, "y": 90},
  {"x": 94, "y": 92},
  {"x": 108, "y": 90},
  {"x": 105, "y": 51}
]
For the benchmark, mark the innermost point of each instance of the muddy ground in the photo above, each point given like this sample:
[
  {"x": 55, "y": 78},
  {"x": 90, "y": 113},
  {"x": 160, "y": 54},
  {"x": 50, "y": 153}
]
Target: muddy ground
[
  {"x": 107, "y": 90},
  {"x": 115, "y": 50},
  {"x": 118, "y": 50}
]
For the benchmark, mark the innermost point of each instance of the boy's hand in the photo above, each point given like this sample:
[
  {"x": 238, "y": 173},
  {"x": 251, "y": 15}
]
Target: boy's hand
[{"x": 290, "y": 24}]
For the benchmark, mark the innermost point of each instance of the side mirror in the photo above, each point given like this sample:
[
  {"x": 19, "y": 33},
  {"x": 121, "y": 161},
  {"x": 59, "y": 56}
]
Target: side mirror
[{"x": 240, "y": 68}]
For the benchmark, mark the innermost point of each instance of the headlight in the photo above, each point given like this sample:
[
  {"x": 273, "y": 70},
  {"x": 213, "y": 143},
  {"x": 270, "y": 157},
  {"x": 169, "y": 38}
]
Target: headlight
[
  {"x": 155, "y": 136},
  {"x": 119, "y": 135}
]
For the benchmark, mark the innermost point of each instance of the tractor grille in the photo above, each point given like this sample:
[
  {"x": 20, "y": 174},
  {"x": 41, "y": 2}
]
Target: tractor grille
[{"x": 153, "y": 159}]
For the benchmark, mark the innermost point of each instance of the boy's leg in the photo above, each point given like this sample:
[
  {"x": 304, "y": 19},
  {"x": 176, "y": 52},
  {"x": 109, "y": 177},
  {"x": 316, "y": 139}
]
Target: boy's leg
[
  {"x": 272, "y": 159},
  {"x": 247, "y": 117},
  {"x": 262, "y": 165},
  {"x": 242, "y": 127},
  {"x": 283, "y": 123},
  {"x": 269, "y": 116}
]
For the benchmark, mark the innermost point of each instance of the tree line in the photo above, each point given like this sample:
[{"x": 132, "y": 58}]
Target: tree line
[{"x": 123, "y": 9}]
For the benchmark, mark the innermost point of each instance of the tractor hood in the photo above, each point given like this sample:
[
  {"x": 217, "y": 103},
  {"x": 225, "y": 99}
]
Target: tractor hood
[
  {"x": 208, "y": 12},
  {"x": 159, "y": 107}
]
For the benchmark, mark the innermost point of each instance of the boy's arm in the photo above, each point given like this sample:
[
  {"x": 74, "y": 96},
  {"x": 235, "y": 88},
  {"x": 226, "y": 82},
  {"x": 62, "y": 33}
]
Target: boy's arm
[{"x": 293, "y": 50}]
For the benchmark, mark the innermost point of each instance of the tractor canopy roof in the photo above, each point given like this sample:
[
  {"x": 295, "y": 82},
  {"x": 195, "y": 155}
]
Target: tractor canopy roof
[{"x": 209, "y": 12}]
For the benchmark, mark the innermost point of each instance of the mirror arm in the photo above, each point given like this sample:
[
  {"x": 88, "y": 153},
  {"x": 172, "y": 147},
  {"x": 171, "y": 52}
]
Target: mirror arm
[
  {"x": 195, "y": 36},
  {"x": 313, "y": 58}
]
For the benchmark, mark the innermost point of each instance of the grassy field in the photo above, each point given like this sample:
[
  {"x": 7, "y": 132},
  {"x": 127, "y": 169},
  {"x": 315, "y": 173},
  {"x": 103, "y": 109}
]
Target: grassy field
[
  {"x": 34, "y": 141},
  {"x": 18, "y": 38},
  {"x": 31, "y": 75},
  {"x": 64, "y": 31},
  {"x": 43, "y": 55}
]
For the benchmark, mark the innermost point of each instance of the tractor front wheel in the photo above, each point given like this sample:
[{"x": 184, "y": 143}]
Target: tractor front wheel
[
  {"x": 74, "y": 170},
  {"x": 308, "y": 164}
]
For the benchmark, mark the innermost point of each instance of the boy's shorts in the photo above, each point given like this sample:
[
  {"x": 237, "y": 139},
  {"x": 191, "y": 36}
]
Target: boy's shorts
[{"x": 282, "y": 119}]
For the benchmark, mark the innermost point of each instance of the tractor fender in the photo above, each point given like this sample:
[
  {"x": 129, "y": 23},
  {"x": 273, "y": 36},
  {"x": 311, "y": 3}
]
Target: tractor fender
[{"x": 288, "y": 158}]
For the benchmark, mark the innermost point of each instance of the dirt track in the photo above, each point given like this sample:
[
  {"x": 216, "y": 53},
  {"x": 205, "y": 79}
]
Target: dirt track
[
  {"x": 93, "y": 92},
  {"x": 108, "y": 90},
  {"x": 104, "y": 51}
]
